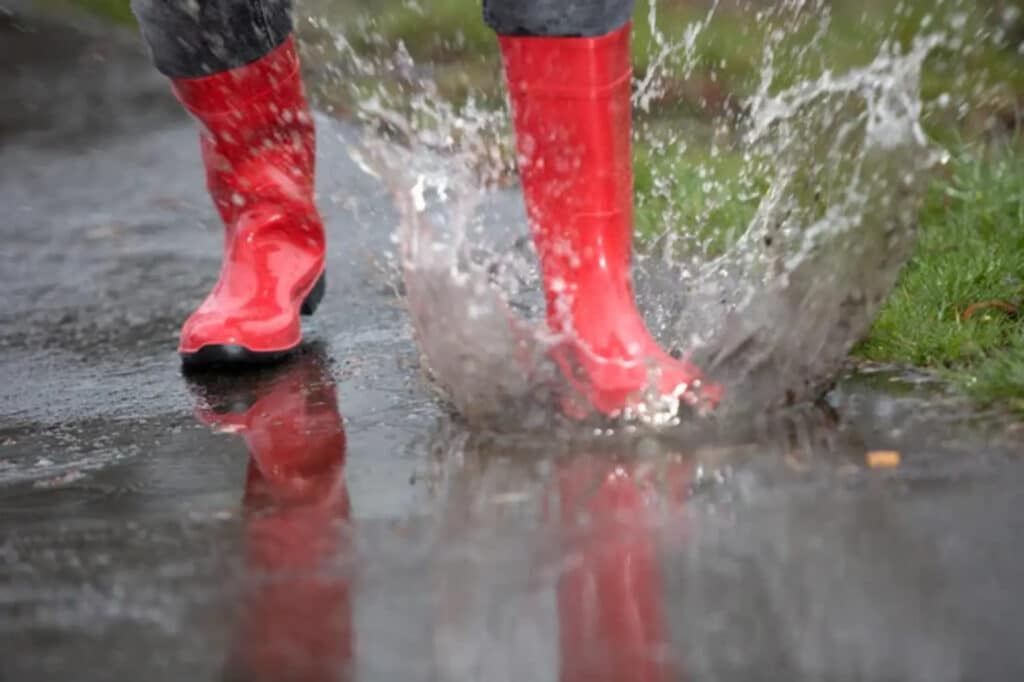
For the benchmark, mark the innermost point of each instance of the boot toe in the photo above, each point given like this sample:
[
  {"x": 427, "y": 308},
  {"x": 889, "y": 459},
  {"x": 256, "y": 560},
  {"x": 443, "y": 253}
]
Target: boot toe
[
  {"x": 208, "y": 337},
  {"x": 612, "y": 385}
]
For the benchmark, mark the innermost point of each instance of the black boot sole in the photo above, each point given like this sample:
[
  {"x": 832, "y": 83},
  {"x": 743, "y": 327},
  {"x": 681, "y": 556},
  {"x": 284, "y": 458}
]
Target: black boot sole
[
  {"x": 232, "y": 355},
  {"x": 315, "y": 296}
]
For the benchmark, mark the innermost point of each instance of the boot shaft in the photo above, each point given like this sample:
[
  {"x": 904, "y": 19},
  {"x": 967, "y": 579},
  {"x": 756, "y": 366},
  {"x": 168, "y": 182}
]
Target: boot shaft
[
  {"x": 258, "y": 137},
  {"x": 572, "y": 113}
]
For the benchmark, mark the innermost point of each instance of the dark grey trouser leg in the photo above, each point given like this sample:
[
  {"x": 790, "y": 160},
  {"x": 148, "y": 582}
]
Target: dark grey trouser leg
[
  {"x": 192, "y": 38},
  {"x": 557, "y": 18}
]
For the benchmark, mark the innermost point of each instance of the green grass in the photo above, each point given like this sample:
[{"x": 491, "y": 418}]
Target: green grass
[
  {"x": 709, "y": 199},
  {"x": 117, "y": 11},
  {"x": 437, "y": 31},
  {"x": 971, "y": 251}
]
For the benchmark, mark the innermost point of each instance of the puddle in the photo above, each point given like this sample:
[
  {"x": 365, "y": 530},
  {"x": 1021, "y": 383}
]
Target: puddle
[{"x": 332, "y": 519}]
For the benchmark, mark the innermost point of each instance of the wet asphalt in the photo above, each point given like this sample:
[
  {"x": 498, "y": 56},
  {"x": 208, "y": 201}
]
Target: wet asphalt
[{"x": 330, "y": 519}]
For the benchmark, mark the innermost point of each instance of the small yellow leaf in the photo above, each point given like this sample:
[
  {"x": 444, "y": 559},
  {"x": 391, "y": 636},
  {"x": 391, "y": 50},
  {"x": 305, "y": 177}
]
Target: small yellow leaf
[{"x": 883, "y": 459}]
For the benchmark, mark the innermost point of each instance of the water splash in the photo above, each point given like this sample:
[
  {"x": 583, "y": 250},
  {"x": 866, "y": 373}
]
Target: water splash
[
  {"x": 832, "y": 165},
  {"x": 830, "y": 235}
]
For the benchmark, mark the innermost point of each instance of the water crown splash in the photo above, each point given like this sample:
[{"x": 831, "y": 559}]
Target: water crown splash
[{"x": 831, "y": 166}]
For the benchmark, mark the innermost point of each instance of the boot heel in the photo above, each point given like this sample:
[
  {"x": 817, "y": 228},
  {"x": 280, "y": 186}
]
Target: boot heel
[{"x": 314, "y": 297}]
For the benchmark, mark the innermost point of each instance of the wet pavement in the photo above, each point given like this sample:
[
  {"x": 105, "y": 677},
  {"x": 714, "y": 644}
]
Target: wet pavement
[{"x": 329, "y": 519}]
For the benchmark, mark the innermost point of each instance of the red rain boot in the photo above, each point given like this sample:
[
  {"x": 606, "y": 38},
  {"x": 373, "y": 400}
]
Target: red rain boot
[
  {"x": 258, "y": 149},
  {"x": 613, "y": 625},
  {"x": 572, "y": 113},
  {"x": 296, "y": 619}
]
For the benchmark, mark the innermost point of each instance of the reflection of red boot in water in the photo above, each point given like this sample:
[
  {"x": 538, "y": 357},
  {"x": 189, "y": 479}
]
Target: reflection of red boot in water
[
  {"x": 258, "y": 148},
  {"x": 572, "y": 112},
  {"x": 296, "y": 622},
  {"x": 610, "y": 601}
]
